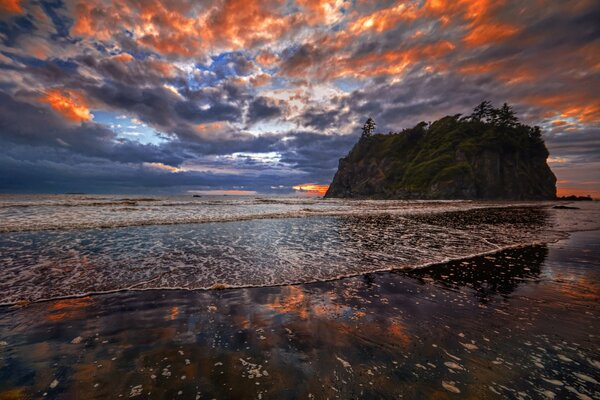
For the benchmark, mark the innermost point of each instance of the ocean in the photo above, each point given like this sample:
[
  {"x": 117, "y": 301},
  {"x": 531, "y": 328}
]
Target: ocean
[{"x": 72, "y": 245}]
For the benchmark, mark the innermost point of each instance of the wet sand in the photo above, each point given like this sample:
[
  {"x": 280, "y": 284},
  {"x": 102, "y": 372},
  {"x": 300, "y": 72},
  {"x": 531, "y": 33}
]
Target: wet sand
[{"x": 523, "y": 323}]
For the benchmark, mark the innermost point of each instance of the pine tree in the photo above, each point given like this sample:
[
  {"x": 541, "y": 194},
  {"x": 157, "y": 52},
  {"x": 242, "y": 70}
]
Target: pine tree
[
  {"x": 368, "y": 127},
  {"x": 506, "y": 116},
  {"x": 482, "y": 111},
  {"x": 535, "y": 134}
]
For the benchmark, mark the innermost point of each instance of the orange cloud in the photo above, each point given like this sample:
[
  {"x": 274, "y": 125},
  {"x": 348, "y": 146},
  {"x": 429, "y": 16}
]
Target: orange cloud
[
  {"x": 583, "y": 112},
  {"x": 260, "y": 80},
  {"x": 384, "y": 19},
  {"x": 241, "y": 23},
  {"x": 321, "y": 11},
  {"x": 479, "y": 13},
  {"x": 267, "y": 58},
  {"x": 310, "y": 61},
  {"x": 483, "y": 33},
  {"x": 482, "y": 28},
  {"x": 505, "y": 69},
  {"x": 185, "y": 29},
  {"x": 123, "y": 57},
  {"x": 478, "y": 18},
  {"x": 585, "y": 108},
  {"x": 161, "y": 67},
  {"x": 11, "y": 6},
  {"x": 94, "y": 21},
  {"x": 392, "y": 62},
  {"x": 312, "y": 189},
  {"x": 591, "y": 55},
  {"x": 71, "y": 104}
]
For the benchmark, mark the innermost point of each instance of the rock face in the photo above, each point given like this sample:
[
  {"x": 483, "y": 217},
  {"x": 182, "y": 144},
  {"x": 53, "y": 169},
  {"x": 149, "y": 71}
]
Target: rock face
[{"x": 450, "y": 159}]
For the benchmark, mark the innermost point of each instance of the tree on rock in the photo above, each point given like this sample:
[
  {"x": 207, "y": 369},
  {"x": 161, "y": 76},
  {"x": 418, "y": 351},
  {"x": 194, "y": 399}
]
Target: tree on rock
[
  {"x": 483, "y": 111},
  {"x": 368, "y": 128},
  {"x": 506, "y": 116}
]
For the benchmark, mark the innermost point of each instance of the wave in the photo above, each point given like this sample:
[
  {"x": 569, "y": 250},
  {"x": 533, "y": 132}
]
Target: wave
[
  {"x": 225, "y": 286},
  {"x": 106, "y": 222},
  {"x": 308, "y": 244}
]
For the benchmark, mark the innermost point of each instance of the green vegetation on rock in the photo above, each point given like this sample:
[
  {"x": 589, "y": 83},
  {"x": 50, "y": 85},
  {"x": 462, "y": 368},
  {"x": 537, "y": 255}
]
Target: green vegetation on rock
[{"x": 487, "y": 155}]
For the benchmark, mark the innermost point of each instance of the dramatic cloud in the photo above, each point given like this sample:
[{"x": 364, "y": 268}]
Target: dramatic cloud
[
  {"x": 69, "y": 103},
  {"x": 259, "y": 95}
]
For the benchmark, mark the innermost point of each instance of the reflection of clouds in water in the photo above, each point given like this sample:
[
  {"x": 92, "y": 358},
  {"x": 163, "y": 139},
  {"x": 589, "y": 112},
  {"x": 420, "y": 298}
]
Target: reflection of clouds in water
[
  {"x": 73, "y": 308},
  {"x": 290, "y": 300},
  {"x": 173, "y": 313},
  {"x": 579, "y": 287}
]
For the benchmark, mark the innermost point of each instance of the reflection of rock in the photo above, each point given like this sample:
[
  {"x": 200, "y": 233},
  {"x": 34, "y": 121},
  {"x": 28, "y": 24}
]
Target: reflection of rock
[{"x": 499, "y": 273}]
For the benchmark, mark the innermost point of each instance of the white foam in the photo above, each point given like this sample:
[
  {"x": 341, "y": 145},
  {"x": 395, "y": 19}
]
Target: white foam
[{"x": 342, "y": 239}]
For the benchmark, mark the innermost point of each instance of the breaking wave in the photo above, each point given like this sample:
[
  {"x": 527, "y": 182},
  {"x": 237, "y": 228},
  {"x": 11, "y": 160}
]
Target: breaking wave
[{"x": 254, "y": 242}]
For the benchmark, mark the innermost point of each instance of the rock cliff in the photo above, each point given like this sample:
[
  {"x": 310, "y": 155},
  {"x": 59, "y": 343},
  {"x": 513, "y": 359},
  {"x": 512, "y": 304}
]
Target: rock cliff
[{"x": 453, "y": 158}]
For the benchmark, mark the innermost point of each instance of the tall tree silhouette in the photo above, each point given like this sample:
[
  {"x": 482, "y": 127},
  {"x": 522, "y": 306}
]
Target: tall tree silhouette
[
  {"x": 506, "y": 116},
  {"x": 368, "y": 127},
  {"x": 483, "y": 111}
]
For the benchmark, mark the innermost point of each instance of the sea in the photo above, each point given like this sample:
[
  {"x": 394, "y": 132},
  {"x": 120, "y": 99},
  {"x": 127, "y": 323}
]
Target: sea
[{"x": 66, "y": 246}]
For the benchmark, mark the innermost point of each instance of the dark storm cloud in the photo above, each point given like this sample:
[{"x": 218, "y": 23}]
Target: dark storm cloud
[
  {"x": 298, "y": 59},
  {"x": 262, "y": 108},
  {"x": 404, "y": 104},
  {"x": 318, "y": 119},
  {"x": 153, "y": 105},
  {"x": 215, "y": 112},
  {"x": 317, "y": 155},
  {"x": 26, "y": 124},
  {"x": 126, "y": 71}
]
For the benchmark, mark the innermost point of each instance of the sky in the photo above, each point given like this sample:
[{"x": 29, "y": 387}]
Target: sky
[{"x": 258, "y": 96}]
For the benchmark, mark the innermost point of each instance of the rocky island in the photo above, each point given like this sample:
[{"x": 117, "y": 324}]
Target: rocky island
[{"x": 486, "y": 155}]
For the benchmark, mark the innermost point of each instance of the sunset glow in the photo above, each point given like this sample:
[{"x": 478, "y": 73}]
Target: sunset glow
[
  {"x": 11, "y": 6},
  {"x": 69, "y": 103},
  {"x": 312, "y": 189},
  {"x": 210, "y": 84}
]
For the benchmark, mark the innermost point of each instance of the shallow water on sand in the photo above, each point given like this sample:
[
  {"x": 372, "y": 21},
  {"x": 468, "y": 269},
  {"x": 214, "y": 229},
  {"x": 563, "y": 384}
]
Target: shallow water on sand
[
  {"x": 361, "y": 237},
  {"x": 522, "y": 323}
]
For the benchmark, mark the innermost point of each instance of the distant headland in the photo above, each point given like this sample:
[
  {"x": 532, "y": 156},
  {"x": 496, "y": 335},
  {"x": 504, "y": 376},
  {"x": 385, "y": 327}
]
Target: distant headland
[{"x": 488, "y": 154}]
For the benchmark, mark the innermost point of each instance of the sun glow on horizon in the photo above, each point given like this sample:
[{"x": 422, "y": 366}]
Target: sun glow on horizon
[{"x": 311, "y": 189}]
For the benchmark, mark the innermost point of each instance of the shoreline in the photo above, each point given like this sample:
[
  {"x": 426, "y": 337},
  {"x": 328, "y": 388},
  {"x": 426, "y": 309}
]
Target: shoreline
[
  {"x": 521, "y": 320},
  {"x": 224, "y": 288}
]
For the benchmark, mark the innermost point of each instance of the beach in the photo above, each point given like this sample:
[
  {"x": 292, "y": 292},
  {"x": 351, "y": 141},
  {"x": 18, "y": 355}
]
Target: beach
[{"x": 518, "y": 320}]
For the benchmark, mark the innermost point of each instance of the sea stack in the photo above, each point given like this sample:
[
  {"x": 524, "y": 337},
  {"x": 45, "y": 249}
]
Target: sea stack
[{"x": 488, "y": 155}]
